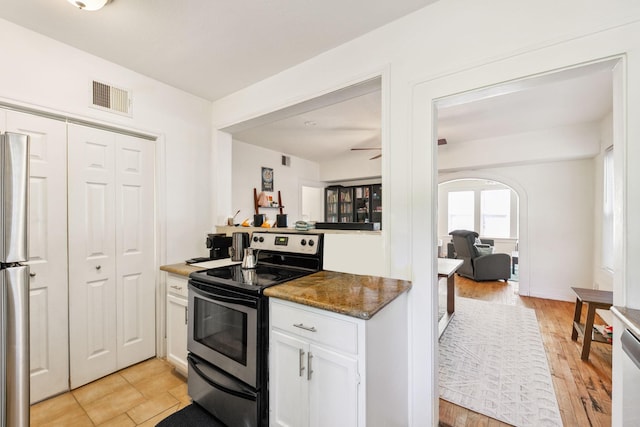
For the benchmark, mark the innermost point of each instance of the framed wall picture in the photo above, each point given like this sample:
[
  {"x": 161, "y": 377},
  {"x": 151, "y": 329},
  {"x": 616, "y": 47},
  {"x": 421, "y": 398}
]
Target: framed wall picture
[{"x": 267, "y": 179}]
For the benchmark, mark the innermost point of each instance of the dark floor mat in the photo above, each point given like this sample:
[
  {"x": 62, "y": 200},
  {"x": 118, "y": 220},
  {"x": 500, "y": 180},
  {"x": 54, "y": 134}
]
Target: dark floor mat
[{"x": 190, "y": 416}]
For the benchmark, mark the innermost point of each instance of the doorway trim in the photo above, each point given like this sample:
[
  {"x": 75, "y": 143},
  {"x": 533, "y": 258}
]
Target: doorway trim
[{"x": 426, "y": 95}]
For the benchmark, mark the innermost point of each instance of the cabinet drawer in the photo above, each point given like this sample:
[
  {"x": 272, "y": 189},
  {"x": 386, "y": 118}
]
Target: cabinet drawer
[
  {"x": 177, "y": 285},
  {"x": 332, "y": 332}
]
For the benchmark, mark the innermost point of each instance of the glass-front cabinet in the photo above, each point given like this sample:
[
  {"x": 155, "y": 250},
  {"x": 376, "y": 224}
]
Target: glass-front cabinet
[
  {"x": 331, "y": 204},
  {"x": 376, "y": 203},
  {"x": 360, "y": 203},
  {"x": 346, "y": 204}
]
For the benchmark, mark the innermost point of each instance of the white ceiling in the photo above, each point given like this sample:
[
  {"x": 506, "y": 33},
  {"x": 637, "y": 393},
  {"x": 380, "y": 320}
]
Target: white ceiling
[
  {"x": 215, "y": 47},
  {"x": 323, "y": 129},
  {"x": 210, "y": 48},
  {"x": 565, "y": 98}
]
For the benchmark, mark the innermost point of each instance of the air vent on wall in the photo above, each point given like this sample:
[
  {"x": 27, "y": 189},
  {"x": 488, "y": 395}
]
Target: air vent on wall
[
  {"x": 110, "y": 98},
  {"x": 286, "y": 160}
]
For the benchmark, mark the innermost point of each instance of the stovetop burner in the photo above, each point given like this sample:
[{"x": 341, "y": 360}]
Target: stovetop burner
[{"x": 261, "y": 276}]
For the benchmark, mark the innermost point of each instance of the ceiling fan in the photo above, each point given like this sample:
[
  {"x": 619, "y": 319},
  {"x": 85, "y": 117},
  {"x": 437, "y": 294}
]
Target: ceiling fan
[{"x": 373, "y": 148}]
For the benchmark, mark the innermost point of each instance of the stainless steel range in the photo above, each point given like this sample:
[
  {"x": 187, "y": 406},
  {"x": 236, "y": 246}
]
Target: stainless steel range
[{"x": 229, "y": 325}]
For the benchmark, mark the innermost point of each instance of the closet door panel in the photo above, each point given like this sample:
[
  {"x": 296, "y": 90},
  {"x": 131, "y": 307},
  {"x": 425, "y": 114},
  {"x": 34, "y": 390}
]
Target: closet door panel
[
  {"x": 135, "y": 249},
  {"x": 92, "y": 260},
  {"x": 48, "y": 284}
]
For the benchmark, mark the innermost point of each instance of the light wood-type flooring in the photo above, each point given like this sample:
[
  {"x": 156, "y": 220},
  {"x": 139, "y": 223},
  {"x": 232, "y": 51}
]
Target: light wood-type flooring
[
  {"x": 146, "y": 393},
  {"x": 583, "y": 388},
  {"x": 141, "y": 395}
]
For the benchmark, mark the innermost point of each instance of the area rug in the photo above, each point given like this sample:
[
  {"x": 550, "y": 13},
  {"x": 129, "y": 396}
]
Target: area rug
[{"x": 492, "y": 361}]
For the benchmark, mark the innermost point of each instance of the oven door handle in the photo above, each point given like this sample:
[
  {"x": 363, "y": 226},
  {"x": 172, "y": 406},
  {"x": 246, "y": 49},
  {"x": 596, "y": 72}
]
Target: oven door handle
[
  {"x": 247, "y": 302},
  {"x": 241, "y": 392}
]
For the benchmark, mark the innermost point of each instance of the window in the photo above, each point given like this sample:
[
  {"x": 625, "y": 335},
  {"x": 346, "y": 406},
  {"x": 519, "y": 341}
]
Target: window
[
  {"x": 461, "y": 208},
  {"x": 607, "y": 211},
  {"x": 495, "y": 213},
  {"x": 487, "y": 207}
]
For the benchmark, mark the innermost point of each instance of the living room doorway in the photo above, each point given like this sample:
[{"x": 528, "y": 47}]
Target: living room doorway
[
  {"x": 546, "y": 136},
  {"x": 489, "y": 207}
]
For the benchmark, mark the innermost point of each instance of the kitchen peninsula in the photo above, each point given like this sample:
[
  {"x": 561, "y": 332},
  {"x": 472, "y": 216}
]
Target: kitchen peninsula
[{"x": 338, "y": 350}]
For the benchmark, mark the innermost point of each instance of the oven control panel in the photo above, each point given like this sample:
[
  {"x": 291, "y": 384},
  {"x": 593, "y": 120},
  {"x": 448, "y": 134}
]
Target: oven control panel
[{"x": 287, "y": 242}]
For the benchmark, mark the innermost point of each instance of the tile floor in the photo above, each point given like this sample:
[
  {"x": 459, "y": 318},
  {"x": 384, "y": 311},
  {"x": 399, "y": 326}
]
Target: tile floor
[{"x": 141, "y": 395}]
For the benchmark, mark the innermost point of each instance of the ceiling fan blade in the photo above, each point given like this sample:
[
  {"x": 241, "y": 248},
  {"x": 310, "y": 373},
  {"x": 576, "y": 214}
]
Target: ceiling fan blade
[
  {"x": 376, "y": 157},
  {"x": 358, "y": 149}
]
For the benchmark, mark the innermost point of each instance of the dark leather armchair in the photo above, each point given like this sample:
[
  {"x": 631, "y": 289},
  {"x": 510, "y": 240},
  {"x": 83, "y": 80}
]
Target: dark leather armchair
[{"x": 477, "y": 266}]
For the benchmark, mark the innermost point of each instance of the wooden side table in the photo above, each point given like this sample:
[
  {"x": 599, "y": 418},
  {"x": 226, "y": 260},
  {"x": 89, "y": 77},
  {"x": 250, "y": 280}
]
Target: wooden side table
[
  {"x": 446, "y": 268},
  {"x": 594, "y": 299}
]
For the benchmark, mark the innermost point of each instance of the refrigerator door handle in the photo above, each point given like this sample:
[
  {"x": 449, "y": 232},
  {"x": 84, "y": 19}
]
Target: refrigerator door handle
[
  {"x": 17, "y": 345},
  {"x": 14, "y": 156}
]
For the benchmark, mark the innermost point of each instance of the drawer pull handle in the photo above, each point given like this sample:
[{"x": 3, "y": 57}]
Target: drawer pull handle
[
  {"x": 179, "y": 288},
  {"x": 301, "y": 362},
  {"x": 306, "y": 328}
]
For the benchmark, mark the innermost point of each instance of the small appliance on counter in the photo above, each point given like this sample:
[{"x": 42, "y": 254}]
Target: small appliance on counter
[
  {"x": 218, "y": 245},
  {"x": 239, "y": 242}
]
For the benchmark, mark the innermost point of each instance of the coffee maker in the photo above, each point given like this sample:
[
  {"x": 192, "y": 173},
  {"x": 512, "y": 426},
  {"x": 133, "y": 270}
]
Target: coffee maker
[{"x": 218, "y": 245}]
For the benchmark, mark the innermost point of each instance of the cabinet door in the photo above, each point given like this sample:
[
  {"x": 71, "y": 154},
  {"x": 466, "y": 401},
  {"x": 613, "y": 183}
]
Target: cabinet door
[
  {"x": 92, "y": 254},
  {"x": 48, "y": 284},
  {"x": 331, "y": 204},
  {"x": 288, "y": 388},
  {"x": 346, "y": 204},
  {"x": 177, "y": 332},
  {"x": 134, "y": 245},
  {"x": 333, "y": 388},
  {"x": 376, "y": 203}
]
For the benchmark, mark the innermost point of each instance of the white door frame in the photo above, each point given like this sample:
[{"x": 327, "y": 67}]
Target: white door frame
[{"x": 424, "y": 349}]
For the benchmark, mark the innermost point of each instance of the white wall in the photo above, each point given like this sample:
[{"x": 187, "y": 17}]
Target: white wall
[
  {"x": 603, "y": 278},
  {"x": 450, "y": 47},
  {"x": 568, "y": 142},
  {"x": 558, "y": 201},
  {"x": 351, "y": 166},
  {"x": 44, "y": 74},
  {"x": 248, "y": 161}
]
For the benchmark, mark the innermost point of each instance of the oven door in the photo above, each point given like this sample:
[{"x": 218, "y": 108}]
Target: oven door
[{"x": 223, "y": 330}]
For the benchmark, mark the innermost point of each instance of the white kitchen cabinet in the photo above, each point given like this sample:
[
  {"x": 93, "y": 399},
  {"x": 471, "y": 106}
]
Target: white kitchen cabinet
[
  {"x": 177, "y": 322},
  {"x": 48, "y": 284},
  {"x": 111, "y": 252},
  {"x": 331, "y": 369}
]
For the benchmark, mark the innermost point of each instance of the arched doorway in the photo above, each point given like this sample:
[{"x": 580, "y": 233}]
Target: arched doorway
[{"x": 508, "y": 234}]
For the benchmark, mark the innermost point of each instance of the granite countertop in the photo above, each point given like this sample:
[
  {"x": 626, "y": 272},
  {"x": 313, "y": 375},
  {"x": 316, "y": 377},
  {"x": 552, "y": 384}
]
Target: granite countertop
[
  {"x": 184, "y": 269},
  {"x": 181, "y": 269},
  {"x": 629, "y": 316},
  {"x": 351, "y": 294}
]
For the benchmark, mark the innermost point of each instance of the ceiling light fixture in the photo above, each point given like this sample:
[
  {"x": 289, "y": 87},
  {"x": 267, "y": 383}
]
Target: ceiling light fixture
[{"x": 89, "y": 4}]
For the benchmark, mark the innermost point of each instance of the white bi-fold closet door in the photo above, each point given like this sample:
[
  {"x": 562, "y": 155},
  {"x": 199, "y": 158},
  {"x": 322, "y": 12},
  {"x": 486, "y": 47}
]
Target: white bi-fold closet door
[
  {"x": 111, "y": 252},
  {"x": 48, "y": 294}
]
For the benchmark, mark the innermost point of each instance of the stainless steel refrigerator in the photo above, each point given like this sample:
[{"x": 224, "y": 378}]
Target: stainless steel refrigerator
[{"x": 14, "y": 280}]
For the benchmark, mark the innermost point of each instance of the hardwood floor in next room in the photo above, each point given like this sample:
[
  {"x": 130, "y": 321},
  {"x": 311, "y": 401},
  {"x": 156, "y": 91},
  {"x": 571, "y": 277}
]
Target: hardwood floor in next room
[{"x": 583, "y": 388}]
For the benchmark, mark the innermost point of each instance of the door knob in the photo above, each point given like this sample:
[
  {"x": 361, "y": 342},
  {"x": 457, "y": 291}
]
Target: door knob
[
  {"x": 32, "y": 274},
  {"x": 98, "y": 267}
]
